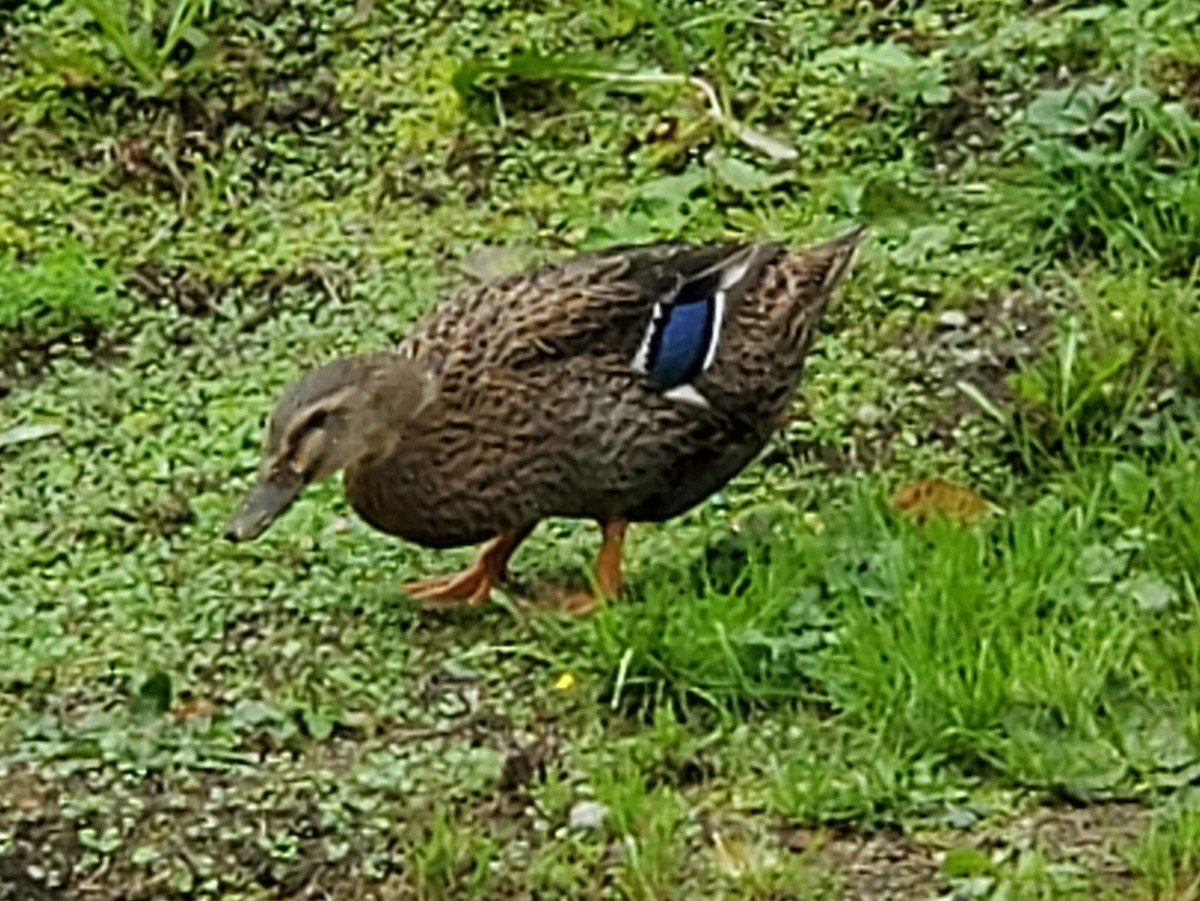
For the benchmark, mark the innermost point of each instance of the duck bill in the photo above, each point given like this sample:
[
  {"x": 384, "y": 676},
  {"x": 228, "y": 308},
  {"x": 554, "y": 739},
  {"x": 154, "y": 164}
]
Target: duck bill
[{"x": 263, "y": 504}]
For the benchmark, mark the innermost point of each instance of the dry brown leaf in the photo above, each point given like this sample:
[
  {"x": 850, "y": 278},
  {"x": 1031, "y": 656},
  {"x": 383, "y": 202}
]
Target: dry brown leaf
[
  {"x": 925, "y": 499},
  {"x": 193, "y": 709}
]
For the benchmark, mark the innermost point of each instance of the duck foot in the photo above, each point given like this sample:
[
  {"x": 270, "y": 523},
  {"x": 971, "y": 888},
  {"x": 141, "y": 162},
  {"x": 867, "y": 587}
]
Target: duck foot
[
  {"x": 561, "y": 599},
  {"x": 608, "y": 575},
  {"x": 475, "y": 583}
]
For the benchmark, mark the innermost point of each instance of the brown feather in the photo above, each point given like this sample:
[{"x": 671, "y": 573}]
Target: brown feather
[{"x": 540, "y": 413}]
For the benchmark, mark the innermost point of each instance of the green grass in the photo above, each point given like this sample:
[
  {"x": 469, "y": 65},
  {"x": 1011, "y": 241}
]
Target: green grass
[
  {"x": 803, "y": 693},
  {"x": 62, "y": 292},
  {"x": 1113, "y": 173},
  {"x": 1166, "y": 858}
]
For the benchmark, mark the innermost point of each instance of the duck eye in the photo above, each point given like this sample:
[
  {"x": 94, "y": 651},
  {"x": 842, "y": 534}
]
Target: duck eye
[{"x": 316, "y": 420}]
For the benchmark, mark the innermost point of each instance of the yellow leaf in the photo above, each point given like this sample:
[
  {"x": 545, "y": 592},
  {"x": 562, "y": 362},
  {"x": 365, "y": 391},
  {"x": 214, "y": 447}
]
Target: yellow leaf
[{"x": 565, "y": 682}]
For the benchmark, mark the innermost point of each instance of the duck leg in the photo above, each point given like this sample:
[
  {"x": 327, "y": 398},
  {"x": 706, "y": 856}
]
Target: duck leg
[
  {"x": 608, "y": 571},
  {"x": 476, "y": 582}
]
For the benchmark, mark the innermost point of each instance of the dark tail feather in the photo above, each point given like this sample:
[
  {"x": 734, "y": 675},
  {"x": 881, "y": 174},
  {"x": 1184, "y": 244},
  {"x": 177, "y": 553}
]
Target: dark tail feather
[
  {"x": 829, "y": 264},
  {"x": 810, "y": 277},
  {"x": 839, "y": 257}
]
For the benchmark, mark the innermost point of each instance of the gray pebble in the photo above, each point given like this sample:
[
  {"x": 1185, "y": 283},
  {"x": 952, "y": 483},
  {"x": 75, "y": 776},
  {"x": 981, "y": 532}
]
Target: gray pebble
[
  {"x": 587, "y": 815},
  {"x": 953, "y": 319},
  {"x": 869, "y": 414}
]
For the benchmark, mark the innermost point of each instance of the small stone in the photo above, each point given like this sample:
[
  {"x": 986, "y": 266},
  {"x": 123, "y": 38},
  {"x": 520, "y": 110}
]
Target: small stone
[
  {"x": 587, "y": 815},
  {"x": 869, "y": 414},
  {"x": 953, "y": 319}
]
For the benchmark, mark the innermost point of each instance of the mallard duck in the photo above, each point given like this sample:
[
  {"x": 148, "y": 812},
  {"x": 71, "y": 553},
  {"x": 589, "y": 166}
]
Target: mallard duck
[{"x": 624, "y": 385}]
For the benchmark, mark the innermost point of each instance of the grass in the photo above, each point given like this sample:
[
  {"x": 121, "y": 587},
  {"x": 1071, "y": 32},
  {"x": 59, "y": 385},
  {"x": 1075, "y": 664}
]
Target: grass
[
  {"x": 1166, "y": 857},
  {"x": 146, "y": 38},
  {"x": 1110, "y": 196},
  {"x": 805, "y": 692},
  {"x": 61, "y": 293}
]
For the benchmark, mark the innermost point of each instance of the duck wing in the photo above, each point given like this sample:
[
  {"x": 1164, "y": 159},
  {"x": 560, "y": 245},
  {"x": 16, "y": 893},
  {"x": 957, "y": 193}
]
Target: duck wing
[{"x": 657, "y": 310}]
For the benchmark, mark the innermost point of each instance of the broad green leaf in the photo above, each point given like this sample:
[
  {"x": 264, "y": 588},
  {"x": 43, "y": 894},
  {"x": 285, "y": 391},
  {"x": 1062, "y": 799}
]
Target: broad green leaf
[
  {"x": 739, "y": 175},
  {"x": 21, "y": 434},
  {"x": 960, "y": 863},
  {"x": 1151, "y": 593}
]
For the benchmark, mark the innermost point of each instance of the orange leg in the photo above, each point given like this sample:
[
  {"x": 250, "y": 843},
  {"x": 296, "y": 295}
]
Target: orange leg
[
  {"x": 608, "y": 571},
  {"x": 475, "y": 583}
]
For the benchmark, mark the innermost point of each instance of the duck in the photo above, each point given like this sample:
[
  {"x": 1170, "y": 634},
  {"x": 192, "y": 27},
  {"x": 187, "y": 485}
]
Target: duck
[{"x": 624, "y": 385}]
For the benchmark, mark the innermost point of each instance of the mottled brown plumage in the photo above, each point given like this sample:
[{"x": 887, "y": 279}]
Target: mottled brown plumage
[{"x": 624, "y": 385}]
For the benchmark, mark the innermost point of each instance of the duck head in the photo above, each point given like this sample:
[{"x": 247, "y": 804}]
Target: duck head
[{"x": 328, "y": 420}]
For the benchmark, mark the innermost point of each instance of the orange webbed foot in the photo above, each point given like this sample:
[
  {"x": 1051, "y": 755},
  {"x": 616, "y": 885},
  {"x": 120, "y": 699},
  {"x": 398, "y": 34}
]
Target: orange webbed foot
[
  {"x": 608, "y": 575},
  {"x": 472, "y": 585},
  {"x": 475, "y": 583},
  {"x": 580, "y": 603}
]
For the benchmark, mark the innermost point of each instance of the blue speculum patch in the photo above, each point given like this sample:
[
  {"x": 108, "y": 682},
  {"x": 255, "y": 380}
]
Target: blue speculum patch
[
  {"x": 684, "y": 334},
  {"x": 681, "y": 342}
]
